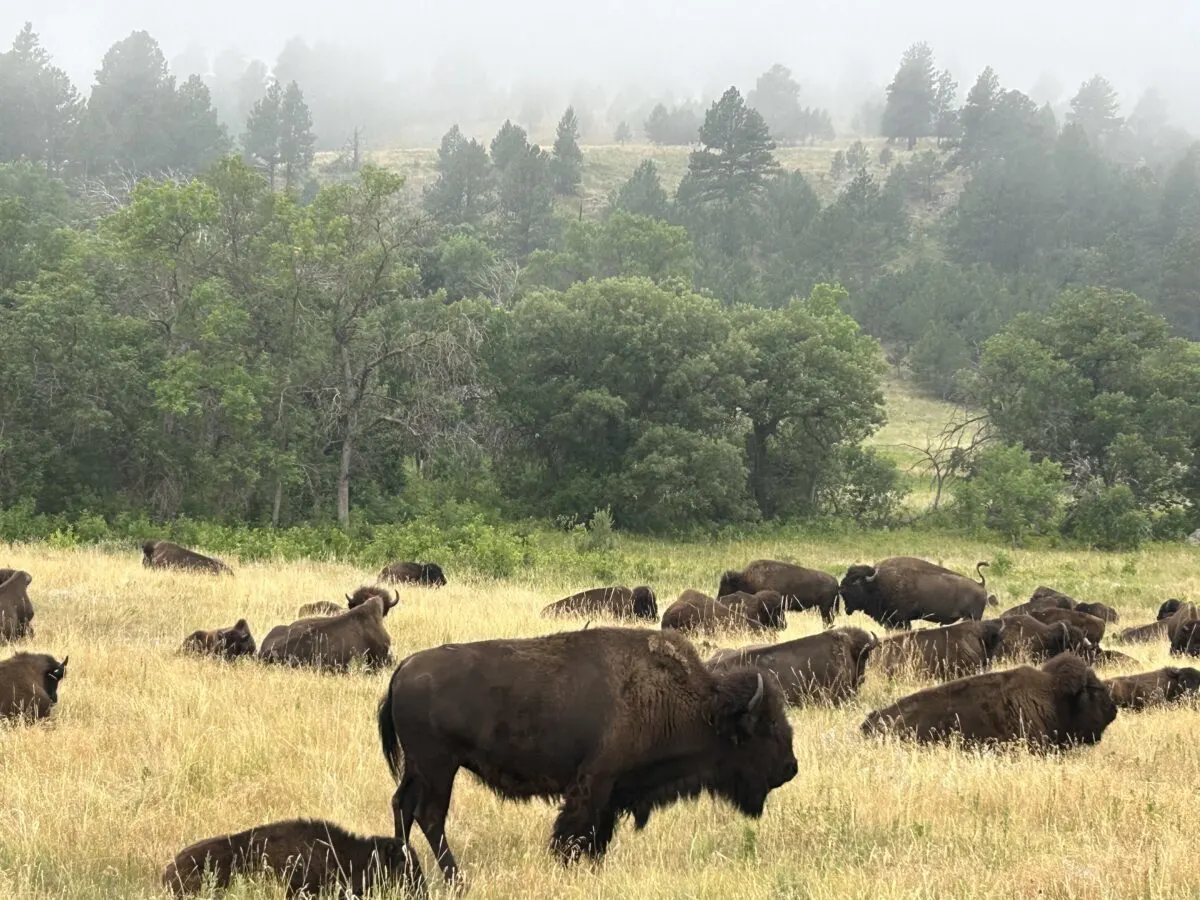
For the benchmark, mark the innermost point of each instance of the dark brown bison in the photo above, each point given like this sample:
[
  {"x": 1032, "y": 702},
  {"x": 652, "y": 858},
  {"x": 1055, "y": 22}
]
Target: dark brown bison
[
  {"x": 165, "y": 555},
  {"x": 428, "y": 574},
  {"x": 1171, "y": 615},
  {"x": 1043, "y": 598},
  {"x": 320, "y": 608},
  {"x": 1100, "y": 657},
  {"x": 947, "y": 652},
  {"x": 333, "y": 642},
  {"x": 1089, "y": 625},
  {"x": 610, "y": 721},
  {"x": 618, "y": 602},
  {"x": 360, "y": 596},
  {"x": 16, "y": 612},
  {"x": 1060, "y": 704},
  {"x": 1100, "y": 611},
  {"x": 1155, "y": 688},
  {"x": 902, "y": 589},
  {"x": 309, "y": 856},
  {"x": 228, "y": 643},
  {"x": 765, "y": 607},
  {"x": 824, "y": 668},
  {"x": 29, "y": 685},
  {"x": 1031, "y": 639},
  {"x": 697, "y": 612},
  {"x": 800, "y": 588},
  {"x": 1185, "y": 639},
  {"x": 1170, "y": 608}
]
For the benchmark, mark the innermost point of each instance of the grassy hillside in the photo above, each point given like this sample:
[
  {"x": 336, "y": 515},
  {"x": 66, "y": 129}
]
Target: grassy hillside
[{"x": 148, "y": 751}]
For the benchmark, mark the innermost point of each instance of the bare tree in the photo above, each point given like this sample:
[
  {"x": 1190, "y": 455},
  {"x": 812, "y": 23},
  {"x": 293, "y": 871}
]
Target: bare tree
[{"x": 948, "y": 453}]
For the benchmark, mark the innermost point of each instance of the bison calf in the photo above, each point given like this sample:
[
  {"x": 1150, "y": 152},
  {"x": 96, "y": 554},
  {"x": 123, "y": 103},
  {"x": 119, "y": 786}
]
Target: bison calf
[
  {"x": 165, "y": 555},
  {"x": 228, "y": 643},
  {"x": 799, "y": 587},
  {"x": 16, "y": 612},
  {"x": 309, "y": 856},
  {"x": 1155, "y": 688},
  {"x": 29, "y": 685},
  {"x": 428, "y": 574},
  {"x": 1061, "y": 704},
  {"x": 618, "y": 602},
  {"x": 824, "y": 668}
]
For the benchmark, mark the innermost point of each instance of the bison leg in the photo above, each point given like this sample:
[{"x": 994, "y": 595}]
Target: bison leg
[
  {"x": 404, "y": 803},
  {"x": 432, "y": 805},
  {"x": 586, "y": 820}
]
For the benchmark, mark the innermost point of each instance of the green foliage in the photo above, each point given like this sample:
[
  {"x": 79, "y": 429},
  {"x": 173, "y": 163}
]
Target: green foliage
[
  {"x": 838, "y": 165},
  {"x": 862, "y": 487},
  {"x": 1006, "y": 492},
  {"x": 643, "y": 193},
  {"x": 776, "y": 96},
  {"x": 567, "y": 161},
  {"x": 912, "y": 101},
  {"x": 678, "y": 126},
  {"x": 39, "y": 107},
  {"x": 623, "y": 133},
  {"x": 1108, "y": 518},
  {"x": 464, "y": 192}
]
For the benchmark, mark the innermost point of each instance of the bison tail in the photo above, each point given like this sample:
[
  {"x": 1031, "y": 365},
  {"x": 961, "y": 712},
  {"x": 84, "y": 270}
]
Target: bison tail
[{"x": 388, "y": 737}]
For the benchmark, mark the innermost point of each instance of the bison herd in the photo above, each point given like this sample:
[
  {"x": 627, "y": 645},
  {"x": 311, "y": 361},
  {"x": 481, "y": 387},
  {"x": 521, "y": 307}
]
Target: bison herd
[{"x": 613, "y": 722}]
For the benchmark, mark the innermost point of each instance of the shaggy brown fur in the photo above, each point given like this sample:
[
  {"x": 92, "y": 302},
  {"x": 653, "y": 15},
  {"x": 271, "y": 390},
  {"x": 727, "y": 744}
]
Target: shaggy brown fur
[
  {"x": 165, "y": 555},
  {"x": 1089, "y": 625},
  {"x": 941, "y": 653},
  {"x": 29, "y": 685},
  {"x": 800, "y": 588},
  {"x": 618, "y": 602},
  {"x": 1100, "y": 611},
  {"x": 1171, "y": 615},
  {"x": 1031, "y": 639},
  {"x": 765, "y": 607},
  {"x": 697, "y": 612},
  {"x": 904, "y": 589},
  {"x": 227, "y": 643},
  {"x": 428, "y": 574},
  {"x": 16, "y": 612},
  {"x": 823, "y": 668},
  {"x": 1157, "y": 688},
  {"x": 332, "y": 642}
]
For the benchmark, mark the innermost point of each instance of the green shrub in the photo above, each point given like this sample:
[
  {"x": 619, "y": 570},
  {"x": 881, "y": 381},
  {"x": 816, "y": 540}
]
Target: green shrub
[
  {"x": 1108, "y": 518},
  {"x": 1006, "y": 492},
  {"x": 861, "y": 486}
]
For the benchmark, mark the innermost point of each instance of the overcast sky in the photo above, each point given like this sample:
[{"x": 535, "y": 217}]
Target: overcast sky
[{"x": 694, "y": 46}]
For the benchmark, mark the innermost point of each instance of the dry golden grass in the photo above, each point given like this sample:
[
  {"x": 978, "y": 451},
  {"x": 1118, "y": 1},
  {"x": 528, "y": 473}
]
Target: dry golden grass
[{"x": 148, "y": 751}]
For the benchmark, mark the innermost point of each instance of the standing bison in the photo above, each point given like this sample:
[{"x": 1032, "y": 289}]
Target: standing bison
[
  {"x": 942, "y": 653},
  {"x": 618, "y": 602},
  {"x": 1060, "y": 704},
  {"x": 16, "y": 612},
  {"x": 695, "y": 612},
  {"x": 903, "y": 589},
  {"x": 310, "y": 856},
  {"x": 333, "y": 642},
  {"x": 824, "y": 668},
  {"x": 29, "y": 685},
  {"x": 226, "y": 643},
  {"x": 1155, "y": 688},
  {"x": 165, "y": 555},
  {"x": 609, "y": 721},
  {"x": 800, "y": 588},
  {"x": 427, "y": 574}
]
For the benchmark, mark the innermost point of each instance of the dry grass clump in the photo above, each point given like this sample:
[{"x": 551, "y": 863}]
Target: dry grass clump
[{"x": 149, "y": 750}]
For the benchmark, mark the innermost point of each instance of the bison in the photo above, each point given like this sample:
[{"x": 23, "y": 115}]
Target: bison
[
  {"x": 824, "y": 668},
  {"x": 1171, "y": 615},
  {"x": 29, "y": 685},
  {"x": 1100, "y": 611},
  {"x": 428, "y": 574},
  {"x": 904, "y": 589},
  {"x": 333, "y": 642},
  {"x": 697, "y": 612},
  {"x": 1155, "y": 688},
  {"x": 1185, "y": 640},
  {"x": 800, "y": 588},
  {"x": 16, "y": 612},
  {"x": 360, "y": 596},
  {"x": 765, "y": 607},
  {"x": 310, "y": 856},
  {"x": 1042, "y": 598},
  {"x": 1025, "y": 637},
  {"x": 320, "y": 608},
  {"x": 227, "y": 643},
  {"x": 1088, "y": 624},
  {"x": 1061, "y": 704},
  {"x": 610, "y": 721},
  {"x": 942, "y": 653},
  {"x": 1099, "y": 657},
  {"x": 618, "y": 602},
  {"x": 165, "y": 555}
]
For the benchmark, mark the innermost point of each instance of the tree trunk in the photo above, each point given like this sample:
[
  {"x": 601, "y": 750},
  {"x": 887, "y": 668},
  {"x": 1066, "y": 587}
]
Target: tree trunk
[
  {"x": 343, "y": 485},
  {"x": 278, "y": 504},
  {"x": 757, "y": 453}
]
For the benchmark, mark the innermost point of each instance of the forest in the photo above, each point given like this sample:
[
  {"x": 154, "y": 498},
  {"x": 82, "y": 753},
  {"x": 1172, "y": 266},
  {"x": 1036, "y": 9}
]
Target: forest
[{"x": 203, "y": 324}]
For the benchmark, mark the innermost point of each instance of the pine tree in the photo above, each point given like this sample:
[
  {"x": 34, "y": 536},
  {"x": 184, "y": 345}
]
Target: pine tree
[
  {"x": 643, "y": 193},
  {"x": 296, "y": 139},
  {"x": 567, "y": 158},
  {"x": 735, "y": 158},
  {"x": 39, "y": 107},
  {"x": 464, "y": 192},
  {"x": 510, "y": 144},
  {"x": 945, "y": 115},
  {"x": 912, "y": 97},
  {"x": 1095, "y": 109},
  {"x": 623, "y": 135},
  {"x": 264, "y": 129}
]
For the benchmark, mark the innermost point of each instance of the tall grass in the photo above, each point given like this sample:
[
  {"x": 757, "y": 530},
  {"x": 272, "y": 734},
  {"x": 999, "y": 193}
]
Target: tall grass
[{"x": 148, "y": 750}]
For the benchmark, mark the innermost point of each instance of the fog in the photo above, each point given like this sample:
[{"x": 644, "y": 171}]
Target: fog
[{"x": 838, "y": 49}]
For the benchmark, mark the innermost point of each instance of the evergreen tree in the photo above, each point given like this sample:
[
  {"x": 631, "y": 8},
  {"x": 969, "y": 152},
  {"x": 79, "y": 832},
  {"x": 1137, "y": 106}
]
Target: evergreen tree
[
  {"x": 567, "y": 158},
  {"x": 623, "y": 135},
  {"x": 510, "y": 144},
  {"x": 1095, "y": 110},
  {"x": 912, "y": 97},
  {"x": 200, "y": 139},
  {"x": 945, "y": 116},
  {"x": 735, "y": 158},
  {"x": 264, "y": 132},
  {"x": 39, "y": 107},
  {"x": 526, "y": 200},
  {"x": 643, "y": 193},
  {"x": 776, "y": 96},
  {"x": 464, "y": 192},
  {"x": 296, "y": 138}
]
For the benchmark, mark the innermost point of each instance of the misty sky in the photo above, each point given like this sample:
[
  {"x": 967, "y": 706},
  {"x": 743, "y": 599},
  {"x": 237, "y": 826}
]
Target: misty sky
[{"x": 692, "y": 48}]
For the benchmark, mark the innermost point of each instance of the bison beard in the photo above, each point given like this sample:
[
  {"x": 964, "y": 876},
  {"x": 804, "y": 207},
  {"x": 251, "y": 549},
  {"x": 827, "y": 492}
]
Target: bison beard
[{"x": 610, "y": 721}]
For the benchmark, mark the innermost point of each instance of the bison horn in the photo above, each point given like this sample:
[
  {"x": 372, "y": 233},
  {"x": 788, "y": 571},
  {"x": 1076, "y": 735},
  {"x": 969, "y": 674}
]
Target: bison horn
[
  {"x": 758, "y": 695},
  {"x": 874, "y": 574}
]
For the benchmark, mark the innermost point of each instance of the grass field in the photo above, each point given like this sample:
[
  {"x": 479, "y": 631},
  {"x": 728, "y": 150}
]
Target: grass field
[{"x": 148, "y": 751}]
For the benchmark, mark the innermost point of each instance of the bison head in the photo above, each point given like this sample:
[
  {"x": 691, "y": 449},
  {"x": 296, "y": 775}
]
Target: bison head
[
  {"x": 858, "y": 590},
  {"x": 732, "y": 582},
  {"x": 771, "y": 608},
  {"x": 55, "y": 673},
  {"x": 237, "y": 641},
  {"x": 1183, "y": 681},
  {"x": 1085, "y": 704},
  {"x": 1187, "y": 639},
  {"x": 1168, "y": 609},
  {"x": 645, "y": 604},
  {"x": 992, "y": 634},
  {"x": 366, "y": 592},
  {"x": 148, "y": 552},
  {"x": 431, "y": 573}
]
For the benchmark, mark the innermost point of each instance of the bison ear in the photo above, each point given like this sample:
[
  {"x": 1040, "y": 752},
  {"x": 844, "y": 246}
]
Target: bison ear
[
  {"x": 1070, "y": 674},
  {"x": 241, "y": 625},
  {"x": 736, "y": 703}
]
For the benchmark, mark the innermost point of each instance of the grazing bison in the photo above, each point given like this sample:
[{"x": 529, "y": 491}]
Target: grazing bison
[
  {"x": 16, "y": 612},
  {"x": 333, "y": 642},
  {"x": 228, "y": 643},
  {"x": 1060, "y": 704},
  {"x": 1100, "y": 611},
  {"x": 824, "y": 668},
  {"x": 165, "y": 555},
  {"x": 947, "y": 652},
  {"x": 320, "y": 608},
  {"x": 800, "y": 588},
  {"x": 619, "y": 602},
  {"x": 310, "y": 856},
  {"x": 1088, "y": 624},
  {"x": 1155, "y": 688},
  {"x": 29, "y": 685},
  {"x": 903, "y": 589},
  {"x": 1185, "y": 641},
  {"x": 697, "y": 612},
  {"x": 428, "y": 574},
  {"x": 610, "y": 721},
  {"x": 1028, "y": 638}
]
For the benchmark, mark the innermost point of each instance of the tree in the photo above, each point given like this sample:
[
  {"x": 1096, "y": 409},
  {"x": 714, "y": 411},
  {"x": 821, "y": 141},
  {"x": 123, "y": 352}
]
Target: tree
[
  {"x": 776, "y": 96},
  {"x": 39, "y": 107},
  {"x": 525, "y": 211},
  {"x": 1005, "y": 491},
  {"x": 1094, "y": 108},
  {"x": 912, "y": 97},
  {"x": 886, "y": 155},
  {"x": 567, "y": 157},
  {"x": 199, "y": 137},
  {"x": 264, "y": 132},
  {"x": 945, "y": 113},
  {"x": 464, "y": 192},
  {"x": 678, "y": 126},
  {"x": 623, "y": 134},
  {"x": 296, "y": 138},
  {"x": 510, "y": 144},
  {"x": 735, "y": 157},
  {"x": 643, "y": 193},
  {"x": 857, "y": 156},
  {"x": 837, "y": 165}
]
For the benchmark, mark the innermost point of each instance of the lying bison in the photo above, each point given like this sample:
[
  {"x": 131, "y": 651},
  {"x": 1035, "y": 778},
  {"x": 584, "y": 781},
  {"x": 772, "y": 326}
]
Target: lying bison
[
  {"x": 1100, "y": 611},
  {"x": 902, "y": 589},
  {"x": 165, "y": 555},
  {"x": 1100, "y": 657},
  {"x": 16, "y": 612},
  {"x": 1171, "y": 615},
  {"x": 1043, "y": 598},
  {"x": 824, "y": 668},
  {"x": 610, "y": 721},
  {"x": 800, "y": 588},
  {"x": 1027, "y": 638},
  {"x": 333, "y": 642},
  {"x": 320, "y": 608},
  {"x": 942, "y": 653},
  {"x": 1088, "y": 624},
  {"x": 359, "y": 597},
  {"x": 309, "y": 856},
  {"x": 1155, "y": 688},
  {"x": 29, "y": 685},
  {"x": 1185, "y": 641},
  {"x": 227, "y": 643},
  {"x": 428, "y": 574},
  {"x": 1061, "y": 704},
  {"x": 696, "y": 612},
  {"x": 618, "y": 602}
]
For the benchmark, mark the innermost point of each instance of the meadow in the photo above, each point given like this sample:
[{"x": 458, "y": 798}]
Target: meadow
[{"x": 148, "y": 750}]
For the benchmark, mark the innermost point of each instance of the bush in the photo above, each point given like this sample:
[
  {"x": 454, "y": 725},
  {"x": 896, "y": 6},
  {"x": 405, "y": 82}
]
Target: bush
[
  {"x": 862, "y": 486},
  {"x": 1108, "y": 518},
  {"x": 1005, "y": 491}
]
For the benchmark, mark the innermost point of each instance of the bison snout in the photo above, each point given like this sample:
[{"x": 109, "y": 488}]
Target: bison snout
[{"x": 789, "y": 771}]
